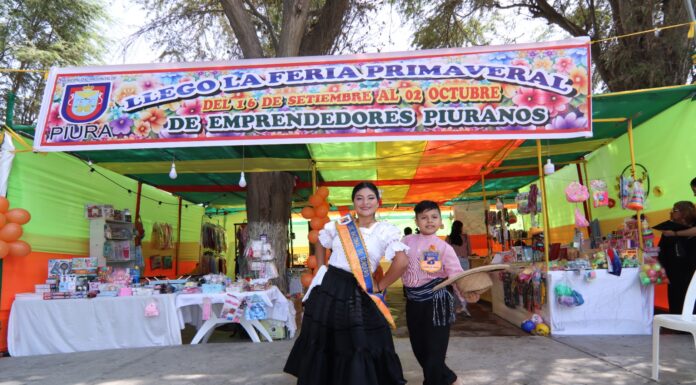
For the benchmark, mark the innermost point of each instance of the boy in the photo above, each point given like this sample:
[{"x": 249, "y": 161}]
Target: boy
[{"x": 429, "y": 313}]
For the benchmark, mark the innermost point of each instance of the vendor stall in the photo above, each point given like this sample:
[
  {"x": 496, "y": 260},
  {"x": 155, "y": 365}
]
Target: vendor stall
[{"x": 39, "y": 326}]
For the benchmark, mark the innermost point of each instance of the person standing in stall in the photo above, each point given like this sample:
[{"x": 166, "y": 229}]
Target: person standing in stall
[
  {"x": 459, "y": 241},
  {"x": 429, "y": 313},
  {"x": 678, "y": 254},
  {"x": 345, "y": 336}
]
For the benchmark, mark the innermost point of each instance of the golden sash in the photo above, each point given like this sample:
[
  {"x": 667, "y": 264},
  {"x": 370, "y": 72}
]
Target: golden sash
[{"x": 356, "y": 254}]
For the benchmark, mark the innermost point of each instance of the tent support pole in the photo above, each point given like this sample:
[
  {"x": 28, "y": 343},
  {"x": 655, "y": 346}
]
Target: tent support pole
[
  {"x": 586, "y": 203},
  {"x": 633, "y": 174},
  {"x": 485, "y": 213},
  {"x": 178, "y": 241},
  {"x": 544, "y": 208},
  {"x": 587, "y": 183},
  {"x": 314, "y": 177},
  {"x": 137, "y": 200}
]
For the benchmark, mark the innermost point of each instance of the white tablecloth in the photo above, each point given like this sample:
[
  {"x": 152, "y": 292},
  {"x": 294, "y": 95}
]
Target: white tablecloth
[
  {"x": 39, "y": 326},
  {"x": 277, "y": 307},
  {"x": 613, "y": 305}
]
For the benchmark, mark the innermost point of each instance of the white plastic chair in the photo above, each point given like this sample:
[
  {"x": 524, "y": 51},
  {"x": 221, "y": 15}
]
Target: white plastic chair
[{"x": 686, "y": 322}]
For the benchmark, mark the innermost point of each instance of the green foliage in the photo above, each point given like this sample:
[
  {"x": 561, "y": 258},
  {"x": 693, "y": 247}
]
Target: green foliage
[
  {"x": 643, "y": 61},
  {"x": 38, "y": 34}
]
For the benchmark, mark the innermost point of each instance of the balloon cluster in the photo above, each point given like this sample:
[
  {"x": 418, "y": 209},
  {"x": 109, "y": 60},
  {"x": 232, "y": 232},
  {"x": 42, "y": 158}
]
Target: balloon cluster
[
  {"x": 318, "y": 213},
  {"x": 11, "y": 222},
  {"x": 535, "y": 325},
  {"x": 653, "y": 273},
  {"x": 308, "y": 275}
]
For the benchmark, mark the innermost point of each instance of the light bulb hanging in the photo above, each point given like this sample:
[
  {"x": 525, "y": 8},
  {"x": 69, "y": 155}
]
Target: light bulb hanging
[
  {"x": 549, "y": 168},
  {"x": 242, "y": 179},
  {"x": 172, "y": 171}
]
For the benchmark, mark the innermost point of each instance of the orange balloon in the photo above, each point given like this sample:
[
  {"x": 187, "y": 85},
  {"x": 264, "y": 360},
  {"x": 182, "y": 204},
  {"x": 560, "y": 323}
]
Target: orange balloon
[
  {"x": 4, "y": 204},
  {"x": 4, "y": 249},
  {"x": 313, "y": 236},
  {"x": 316, "y": 223},
  {"x": 18, "y": 249},
  {"x": 325, "y": 220},
  {"x": 312, "y": 262},
  {"x": 307, "y": 212},
  {"x": 315, "y": 200},
  {"x": 10, "y": 232},
  {"x": 3, "y": 220},
  {"x": 18, "y": 216},
  {"x": 323, "y": 192},
  {"x": 306, "y": 279},
  {"x": 321, "y": 211}
]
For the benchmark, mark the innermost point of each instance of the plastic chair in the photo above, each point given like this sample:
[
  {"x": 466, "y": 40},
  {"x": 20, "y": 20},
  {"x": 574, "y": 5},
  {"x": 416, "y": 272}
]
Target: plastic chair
[{"x": 686, "y": 322}]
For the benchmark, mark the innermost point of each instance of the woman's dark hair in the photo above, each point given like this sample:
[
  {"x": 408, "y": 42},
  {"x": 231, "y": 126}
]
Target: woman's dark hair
[
  {"x": 455, "y": 237},
  {"x": 687, "y": 211},
  {"x": 363, "y": 185},
  {"x": 408, "y": 231}
]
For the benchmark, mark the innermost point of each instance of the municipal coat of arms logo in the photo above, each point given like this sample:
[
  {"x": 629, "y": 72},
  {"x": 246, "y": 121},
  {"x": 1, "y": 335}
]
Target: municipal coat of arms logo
[{"x": 84, "y": 103}]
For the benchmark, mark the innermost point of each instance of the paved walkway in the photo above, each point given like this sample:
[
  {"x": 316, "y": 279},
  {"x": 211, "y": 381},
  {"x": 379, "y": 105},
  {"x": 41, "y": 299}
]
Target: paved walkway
[{"x": 480, "y": 360}]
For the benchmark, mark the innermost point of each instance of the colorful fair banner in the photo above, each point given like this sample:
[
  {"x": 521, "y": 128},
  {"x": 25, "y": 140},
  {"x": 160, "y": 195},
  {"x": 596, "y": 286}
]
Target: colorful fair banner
[{"x": 502, "y": 92}]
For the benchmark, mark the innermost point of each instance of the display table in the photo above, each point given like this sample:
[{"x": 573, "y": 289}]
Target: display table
[
  {"x": 38, "y": 326},
  {"x": 613, "y": 305},
  {"x": 278, "y": 308}
]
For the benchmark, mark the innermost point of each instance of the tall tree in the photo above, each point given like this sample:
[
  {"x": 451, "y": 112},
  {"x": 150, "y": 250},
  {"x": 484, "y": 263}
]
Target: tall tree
[
  {"x": 219, "y": 29},
  {"x": 38, "y": 34},
  {"x": 641, "y": 61}
]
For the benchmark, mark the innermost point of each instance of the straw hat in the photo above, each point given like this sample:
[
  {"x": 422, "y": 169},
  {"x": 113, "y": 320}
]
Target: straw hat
[{"x": 474, "y": 281}]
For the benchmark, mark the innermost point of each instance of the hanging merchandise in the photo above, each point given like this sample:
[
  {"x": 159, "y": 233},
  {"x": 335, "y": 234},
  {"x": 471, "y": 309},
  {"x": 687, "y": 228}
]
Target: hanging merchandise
[
  {"x": 625, "y": 184},
  {"x": 576, "y": 193},
  {"x": 566, "y": 296},
  {"x": 637, "y": 197},
  {"x": 653, "y": 273},
  {"x": 532, "y": 199},
  {"x": 161, "y": 236},
  {"x": 262, "y": 258},
  {"x": 580, "y": 220},
  {"x": 214, "y": 237},
  {"x": 522, "y": 200},
  {"x": 600, "y": 193}
]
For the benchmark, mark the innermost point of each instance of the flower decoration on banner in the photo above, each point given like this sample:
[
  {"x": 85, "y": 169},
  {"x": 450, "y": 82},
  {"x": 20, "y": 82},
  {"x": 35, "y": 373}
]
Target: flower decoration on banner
[
  {"x": 11, "y": 221},
  {"x": 318, "y": 215}
]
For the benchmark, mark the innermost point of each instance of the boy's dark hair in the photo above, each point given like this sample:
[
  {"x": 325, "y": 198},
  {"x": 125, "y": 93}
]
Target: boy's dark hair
[
  {"x": 693, "y": 182},
  {"x": 425, "y": 206}
]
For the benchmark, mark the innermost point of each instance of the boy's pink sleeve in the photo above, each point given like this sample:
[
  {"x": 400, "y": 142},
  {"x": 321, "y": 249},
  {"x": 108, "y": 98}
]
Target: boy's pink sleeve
[{"x": 452, "y": 266}]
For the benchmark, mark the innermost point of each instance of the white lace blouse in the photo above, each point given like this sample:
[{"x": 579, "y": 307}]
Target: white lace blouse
[{"x": 382, "y": 239}]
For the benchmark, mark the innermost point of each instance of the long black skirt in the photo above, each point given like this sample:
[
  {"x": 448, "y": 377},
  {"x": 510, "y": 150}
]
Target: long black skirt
[{"x": 344, "y": 339}]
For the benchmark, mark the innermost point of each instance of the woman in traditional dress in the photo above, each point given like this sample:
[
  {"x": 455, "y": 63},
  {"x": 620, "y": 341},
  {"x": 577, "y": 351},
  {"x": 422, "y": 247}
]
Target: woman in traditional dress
[{"x": 345, "y": 336}]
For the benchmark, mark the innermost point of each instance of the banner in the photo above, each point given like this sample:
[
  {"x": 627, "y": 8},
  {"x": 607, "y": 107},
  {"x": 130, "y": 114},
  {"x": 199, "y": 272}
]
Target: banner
[{"x": 502, "y": 92}]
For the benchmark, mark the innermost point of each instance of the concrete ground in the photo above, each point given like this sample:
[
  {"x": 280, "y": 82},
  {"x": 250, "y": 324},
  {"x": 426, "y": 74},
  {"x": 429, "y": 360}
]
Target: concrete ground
[
  {"x": 479, "y": 360},
  {"x": 484, "y": 349}
]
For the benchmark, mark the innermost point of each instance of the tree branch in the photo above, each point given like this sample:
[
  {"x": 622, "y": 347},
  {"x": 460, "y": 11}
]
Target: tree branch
[
  {"x": 295, "y": 14},
  {"x": 546, "y": 10},
  {"x": 243, "y": 28},
  {"x": 266, "y": 22},
  {"x": 329, "y": 25}
]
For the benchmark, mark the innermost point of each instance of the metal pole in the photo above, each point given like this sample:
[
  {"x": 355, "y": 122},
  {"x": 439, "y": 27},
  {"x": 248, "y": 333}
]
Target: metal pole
[
  {"x": 544, "y": 206},
  {"x": 137, "y": 200},
  {"x": 178, "y": 241},
  {"x": 485, "y": 213},
  {"x": 314, "y": 177},
  {"x": 690, "y": 9},
  {"x": 585, "y": 204},
  {"x": 587, "y": 183},
  {"x": 633, "y": 174}
]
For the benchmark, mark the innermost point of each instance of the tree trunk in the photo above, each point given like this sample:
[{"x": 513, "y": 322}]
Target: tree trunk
[{"x": 268, "y": 203}]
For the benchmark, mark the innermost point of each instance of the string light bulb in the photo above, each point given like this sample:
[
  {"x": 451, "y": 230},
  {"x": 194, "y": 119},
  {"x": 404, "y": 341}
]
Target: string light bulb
[
  {"x": 549, "y": 168},
  {"x": 242, "y": 179},
  {"x": 172, "y": 172}
]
